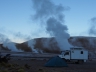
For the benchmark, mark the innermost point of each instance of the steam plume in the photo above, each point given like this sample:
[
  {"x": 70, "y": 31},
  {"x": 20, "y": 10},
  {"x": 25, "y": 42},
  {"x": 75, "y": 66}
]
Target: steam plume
[
  {"x": 55, "y": 28},
  {"x": 7, "y": 43},
  {"x": 3, "y": 38},
  {"x": 92, "y": 30},
  {"x": 31, "y": 44},
  {"x": 53, "y": 18},
  {"x": 20, "y": 36},
  {"x": 11, "y": 46}
]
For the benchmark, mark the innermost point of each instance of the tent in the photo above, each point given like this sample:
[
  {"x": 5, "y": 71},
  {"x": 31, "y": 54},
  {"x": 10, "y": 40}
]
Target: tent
[{"x": 56, "y": 62}]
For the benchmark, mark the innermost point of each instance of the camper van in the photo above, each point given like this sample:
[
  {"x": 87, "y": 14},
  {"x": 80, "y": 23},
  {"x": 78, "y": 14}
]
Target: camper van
[{"x": 75, "y": 54}]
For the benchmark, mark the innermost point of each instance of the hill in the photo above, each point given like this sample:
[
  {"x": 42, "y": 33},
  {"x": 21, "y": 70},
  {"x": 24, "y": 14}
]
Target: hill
[{"x": 49, "y": 45}]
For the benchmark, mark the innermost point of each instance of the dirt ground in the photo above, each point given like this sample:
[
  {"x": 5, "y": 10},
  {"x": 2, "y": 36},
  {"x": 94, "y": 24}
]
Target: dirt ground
[{"x": 32, "y": 65}]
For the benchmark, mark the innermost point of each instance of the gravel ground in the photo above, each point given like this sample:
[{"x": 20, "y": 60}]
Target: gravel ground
[{"x": 32, "y": 65}]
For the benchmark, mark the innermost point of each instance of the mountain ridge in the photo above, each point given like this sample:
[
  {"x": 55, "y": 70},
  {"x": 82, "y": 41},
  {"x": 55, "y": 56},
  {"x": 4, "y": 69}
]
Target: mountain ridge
[{"x": 49, "y": 45}]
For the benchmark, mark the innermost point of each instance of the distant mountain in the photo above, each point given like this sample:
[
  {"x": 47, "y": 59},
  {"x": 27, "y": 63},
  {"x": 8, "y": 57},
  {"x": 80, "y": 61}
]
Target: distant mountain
[
  {"x": 49, "y": 45},
  {"x": 88, "y": 43}
]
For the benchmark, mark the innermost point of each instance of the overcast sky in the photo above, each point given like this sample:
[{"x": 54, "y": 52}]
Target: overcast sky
[{"x": 17, "y": 24}]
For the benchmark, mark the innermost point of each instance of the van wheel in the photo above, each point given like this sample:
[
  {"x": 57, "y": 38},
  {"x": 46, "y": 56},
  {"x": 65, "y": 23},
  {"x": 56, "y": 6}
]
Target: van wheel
[
  {"x": 81, "y": 61},
  {"x": 77, "y": 62}
]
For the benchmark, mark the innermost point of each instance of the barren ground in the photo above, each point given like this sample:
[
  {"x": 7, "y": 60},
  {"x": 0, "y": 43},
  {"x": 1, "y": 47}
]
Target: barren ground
[{"x": 32, "y": 65}]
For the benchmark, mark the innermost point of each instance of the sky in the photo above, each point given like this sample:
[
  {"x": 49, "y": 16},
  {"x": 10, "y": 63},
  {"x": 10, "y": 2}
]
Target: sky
[{"x": 17, "y": 24}]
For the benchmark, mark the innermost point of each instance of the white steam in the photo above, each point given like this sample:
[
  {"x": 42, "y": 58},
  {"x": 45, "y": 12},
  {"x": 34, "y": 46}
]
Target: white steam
[
  {"x": 52, "y": 16},
  {"x": 3, "y": 39},
  {"x": 11, "y": 46},
  {"x": 92, "y": 30},
  {"x": 58, "y": 30},
  {"x": 31, "y": 44},
  {"x": 46, "y": 43},
  {"x": 7, "y": 43}
]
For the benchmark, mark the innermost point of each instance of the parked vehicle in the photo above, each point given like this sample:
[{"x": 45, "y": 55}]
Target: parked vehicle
[{"x": 75, "y": 54}]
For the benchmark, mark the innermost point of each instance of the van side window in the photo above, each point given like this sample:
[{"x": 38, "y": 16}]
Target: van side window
[
  {"x": 81, "y": 52},
  {"x": 67, "y": 53}
]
